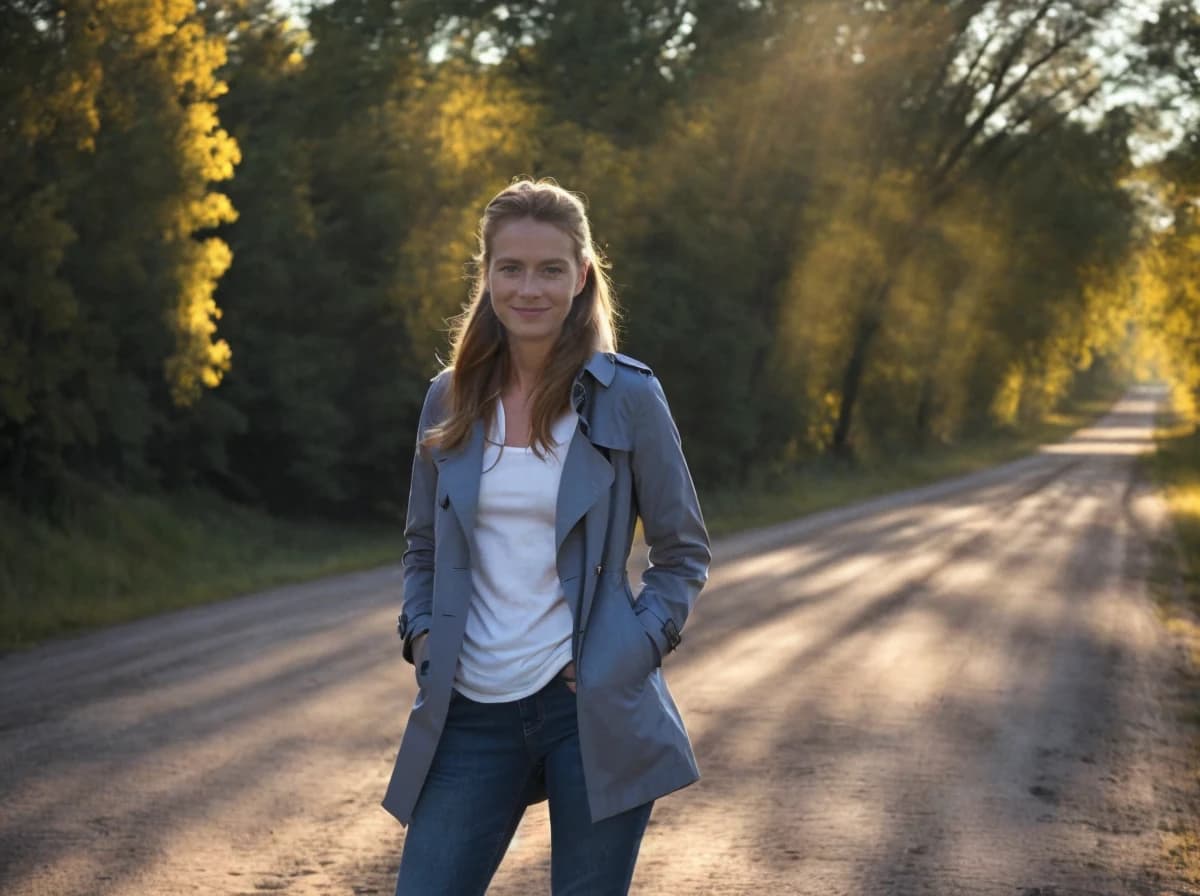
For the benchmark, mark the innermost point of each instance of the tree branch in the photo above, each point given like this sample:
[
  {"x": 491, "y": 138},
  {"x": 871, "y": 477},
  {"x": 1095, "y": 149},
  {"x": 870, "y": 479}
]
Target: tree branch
[{"x": 941, "y": 169}]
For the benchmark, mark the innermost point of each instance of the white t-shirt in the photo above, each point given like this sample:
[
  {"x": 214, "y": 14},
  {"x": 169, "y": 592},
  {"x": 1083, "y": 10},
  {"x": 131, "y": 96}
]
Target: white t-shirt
[{"x": 518, "y": 630}]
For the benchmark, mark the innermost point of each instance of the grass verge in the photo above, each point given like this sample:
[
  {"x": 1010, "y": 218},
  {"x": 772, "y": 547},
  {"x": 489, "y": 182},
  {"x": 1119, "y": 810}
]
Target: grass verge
[
  {"x": 128, "y": 556},
  {"x": 1175, "y": 584}
]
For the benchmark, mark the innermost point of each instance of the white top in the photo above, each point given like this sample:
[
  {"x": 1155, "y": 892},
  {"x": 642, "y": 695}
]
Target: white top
[{"x": 518, "y": 631}]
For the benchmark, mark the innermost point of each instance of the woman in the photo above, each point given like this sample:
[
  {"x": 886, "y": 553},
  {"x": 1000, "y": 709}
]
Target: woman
[{"x": 538, "y": 669}]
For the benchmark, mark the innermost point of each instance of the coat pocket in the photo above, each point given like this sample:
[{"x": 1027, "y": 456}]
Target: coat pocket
[{"x": 617, "y": 652}]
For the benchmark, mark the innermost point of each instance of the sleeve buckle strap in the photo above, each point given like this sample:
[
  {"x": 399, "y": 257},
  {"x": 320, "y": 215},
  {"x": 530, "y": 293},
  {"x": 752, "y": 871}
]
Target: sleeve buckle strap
[
  {"x": 402, "y": 625},
  {"x": 671, "y": 632}
]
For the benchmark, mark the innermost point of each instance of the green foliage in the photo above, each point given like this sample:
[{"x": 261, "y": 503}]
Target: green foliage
[
  {"x": 836, "y": 226},
  {"x": 108, "y": 319},
  {"x": 127, "y": 555},
  {"x": 1175, "y": 466}
]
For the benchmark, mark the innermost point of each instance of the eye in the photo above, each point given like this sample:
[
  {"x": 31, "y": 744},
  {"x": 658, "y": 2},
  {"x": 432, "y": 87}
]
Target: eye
[
  {"x": 554, "y": 270},
  {"x": 508, "y": 268}
]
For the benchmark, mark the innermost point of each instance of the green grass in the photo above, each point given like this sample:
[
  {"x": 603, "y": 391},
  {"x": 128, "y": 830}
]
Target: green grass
[
  {"x": 128, "y": 556},
  {"x": 1175, "y": 584},
  {"x": 1175, "y": 466}
]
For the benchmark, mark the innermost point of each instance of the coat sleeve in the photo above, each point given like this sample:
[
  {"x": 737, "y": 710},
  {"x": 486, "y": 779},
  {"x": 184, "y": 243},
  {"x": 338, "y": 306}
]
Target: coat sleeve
[
  {"x": 418, "y": 561},
  {"x": 671, "y": 521}
]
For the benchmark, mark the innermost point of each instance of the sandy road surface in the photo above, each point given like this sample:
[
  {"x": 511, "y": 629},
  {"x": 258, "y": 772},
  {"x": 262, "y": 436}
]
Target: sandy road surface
[{"x": 950, "y": 691}]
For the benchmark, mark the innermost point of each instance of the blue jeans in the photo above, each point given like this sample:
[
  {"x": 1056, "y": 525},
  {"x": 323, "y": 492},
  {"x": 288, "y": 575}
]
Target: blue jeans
[{"x": 492, "y": 757}]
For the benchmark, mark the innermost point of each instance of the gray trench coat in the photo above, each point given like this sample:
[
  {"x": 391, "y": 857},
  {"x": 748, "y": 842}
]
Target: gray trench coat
[{"x": 624, "y": 461}]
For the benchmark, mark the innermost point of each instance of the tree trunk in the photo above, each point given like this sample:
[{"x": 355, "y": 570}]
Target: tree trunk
[{"x": 856, "y": 364}]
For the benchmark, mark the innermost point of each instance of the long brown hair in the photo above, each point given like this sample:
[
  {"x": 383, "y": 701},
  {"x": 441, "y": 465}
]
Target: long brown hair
[{"x": 479, "y": 355}]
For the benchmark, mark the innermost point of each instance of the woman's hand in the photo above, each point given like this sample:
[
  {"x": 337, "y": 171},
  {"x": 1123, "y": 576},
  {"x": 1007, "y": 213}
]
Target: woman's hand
[
  {"x": 568, "y": 675},
  {"x": 420, "y": 644}
]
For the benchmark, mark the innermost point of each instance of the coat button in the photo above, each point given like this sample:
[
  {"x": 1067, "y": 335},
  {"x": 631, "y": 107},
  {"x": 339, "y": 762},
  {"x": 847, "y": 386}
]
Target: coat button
[{"x": 599, "y": 568}]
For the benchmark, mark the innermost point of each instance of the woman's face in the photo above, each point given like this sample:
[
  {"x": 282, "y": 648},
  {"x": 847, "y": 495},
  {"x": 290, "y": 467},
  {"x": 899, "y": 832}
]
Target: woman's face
[{"x": 533, "y": 277}]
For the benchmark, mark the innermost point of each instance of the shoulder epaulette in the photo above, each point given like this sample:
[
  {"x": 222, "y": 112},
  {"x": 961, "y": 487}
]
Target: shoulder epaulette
[{"x": 627, "y": 361}]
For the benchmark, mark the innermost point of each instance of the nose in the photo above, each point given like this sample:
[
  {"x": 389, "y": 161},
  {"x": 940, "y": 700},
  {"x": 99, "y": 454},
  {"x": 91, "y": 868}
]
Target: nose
[{"x": 528, "y": 286}]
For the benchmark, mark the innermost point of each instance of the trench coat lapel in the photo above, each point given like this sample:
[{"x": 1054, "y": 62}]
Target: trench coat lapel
[
  {"x": 586, "y": 477},
  {"x": 459, "y": 473}
]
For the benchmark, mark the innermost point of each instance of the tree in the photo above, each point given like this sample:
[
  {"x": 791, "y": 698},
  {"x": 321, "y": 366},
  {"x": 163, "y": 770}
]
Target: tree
[
  {"x": 111, "y": 148},
  {"x": 1008, "y": 74}
]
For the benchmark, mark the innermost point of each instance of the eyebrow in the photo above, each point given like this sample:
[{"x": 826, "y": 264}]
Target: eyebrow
[{"x": 507, "y": 260}]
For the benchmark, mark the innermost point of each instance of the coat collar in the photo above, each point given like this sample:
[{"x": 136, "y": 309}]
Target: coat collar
[
  {"x": 586, "y": 472},
  {"x": 603, "y": 366}
]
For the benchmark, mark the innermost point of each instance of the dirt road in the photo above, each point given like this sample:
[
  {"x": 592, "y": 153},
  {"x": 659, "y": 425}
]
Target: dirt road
[{"x": 949, "y": 691}]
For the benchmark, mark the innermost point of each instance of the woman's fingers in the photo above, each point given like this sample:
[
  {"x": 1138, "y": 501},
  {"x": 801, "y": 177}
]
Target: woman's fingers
[{"x": 420, "y": 661}]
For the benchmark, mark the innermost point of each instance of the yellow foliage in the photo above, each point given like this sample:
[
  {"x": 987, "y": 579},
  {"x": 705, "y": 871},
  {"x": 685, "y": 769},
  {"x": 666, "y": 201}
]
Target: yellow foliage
[
  {"x": 212, "y": 210},
  {"x": 146, "y": 23},
  {"x": 169, "y": 41},
  {"x": 206, "y": 146},
  {"x": 196, "y": 57},
  {"x": 1007, "y": 403},
  {"x": 70, "y": 103},
  {"x": 477, "y": 116},
  {"x": 199, "y": 360},
  {"x": 819, "y": 433},
  {"x": 1165, "y": 296}
]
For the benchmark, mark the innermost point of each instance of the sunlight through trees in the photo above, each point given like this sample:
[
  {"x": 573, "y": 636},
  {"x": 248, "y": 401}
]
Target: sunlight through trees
[{"x": 231, "y": 241}]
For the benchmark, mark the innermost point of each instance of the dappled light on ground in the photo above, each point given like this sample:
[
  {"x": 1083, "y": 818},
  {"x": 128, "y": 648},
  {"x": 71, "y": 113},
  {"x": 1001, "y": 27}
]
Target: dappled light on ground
[
  {"x": 1123, "y": 432},
  {"x": 949, "y": 691}
]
